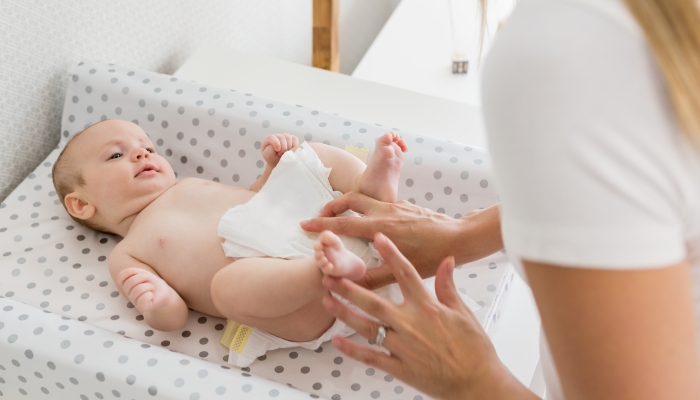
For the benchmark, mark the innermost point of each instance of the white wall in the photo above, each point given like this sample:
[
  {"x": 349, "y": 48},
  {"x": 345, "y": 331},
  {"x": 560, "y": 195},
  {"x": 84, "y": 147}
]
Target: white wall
[{"x": 40, "y": 40}]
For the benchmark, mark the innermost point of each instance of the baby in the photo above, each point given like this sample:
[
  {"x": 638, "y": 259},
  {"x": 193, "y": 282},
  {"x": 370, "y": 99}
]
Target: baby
[{"x": 110, "y": 178}]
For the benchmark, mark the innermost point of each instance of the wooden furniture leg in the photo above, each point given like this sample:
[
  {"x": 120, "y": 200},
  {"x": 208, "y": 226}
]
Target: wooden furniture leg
[{"x": 325, "y": 35}]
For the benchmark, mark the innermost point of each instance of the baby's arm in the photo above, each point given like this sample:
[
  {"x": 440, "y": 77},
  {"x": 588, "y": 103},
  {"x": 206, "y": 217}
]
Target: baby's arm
[{"x": 161, "y": 306}]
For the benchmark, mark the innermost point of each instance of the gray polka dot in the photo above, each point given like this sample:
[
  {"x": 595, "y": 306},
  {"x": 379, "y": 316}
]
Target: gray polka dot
[
  {"x": 428, "y": 196},
  {"x": 355, "y": 387},
  {"x": 437, "y": 175},
  {"x": 477, "y": 161},
  {"x": 131, "y": 379},
  {"x": 37, "y": 331},
  {"x": 253, "y": 113},
  {"x": 335, "y": 373},
  {"x": 236, "y": 178},
  {"x": 79, "y": 358},
  {"x": 305, "y": 370},
  {"x": 241, "y": 153},
  {"x": 317, "y": 386},
  {"x": 220, "y": 390},
  {"x": 369, "y": 371},
  {"x": 246, "y": 388},
  {"x": 484, "y": 183},
  {"x": 179, "y": 382},
  {"x": 51, "y": 365},
  {"x": 105, "y": 97},
  {"x": 464, "y": 175},
  {"x": 118, "y": 110},
  {"x": 375, "y": 394},
  {"x": 65, "y": 344},
  {"x": 418, "y": 160},
  {"x": 152, "y": 362},
  {"x": 164, "y": 124},
  {"x": 491, "y": 288},
  {"x": 194, "y": 396},
  {"x": 202, "y": 373},
  {"x": 125, "y": 90},
  {"x": 100, "y": 376},
  {"x": 152, "y": 390},
  {"x": 229, "y": 105},
  {"x": 464, "y": 198},
  {"x": 273, "y": 392},
  {"x": 211, "y": 111},
  {"x": 338, "y": 360},
  {"x": 122, "y": 359},
  {"x": 195, "y": 121},
  {"x": 29, "y": 354},
  {"x": 151, "y": 117},
  {"x": 18, "y": 238},
  {"x": 279, "y": 369},
  {"x": 300, "y": 123},
  {"x": 265, "y": 124}
]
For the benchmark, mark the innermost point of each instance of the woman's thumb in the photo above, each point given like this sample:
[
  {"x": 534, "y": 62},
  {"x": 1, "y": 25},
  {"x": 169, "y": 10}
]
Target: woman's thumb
[{"x": 445, "y": 286}]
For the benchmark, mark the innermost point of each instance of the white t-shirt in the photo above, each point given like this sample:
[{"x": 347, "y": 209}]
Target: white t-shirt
[{"x": 591, "y": 166}]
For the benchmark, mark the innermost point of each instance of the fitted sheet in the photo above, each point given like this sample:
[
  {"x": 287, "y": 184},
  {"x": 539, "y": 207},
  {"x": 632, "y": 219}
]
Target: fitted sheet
[{"x": 51, "y": 268}]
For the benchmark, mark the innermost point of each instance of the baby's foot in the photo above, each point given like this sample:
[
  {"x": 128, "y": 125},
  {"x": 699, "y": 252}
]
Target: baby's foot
[
  {"x": 381, "y": 178},
  {"x": 335, "y": 260}
]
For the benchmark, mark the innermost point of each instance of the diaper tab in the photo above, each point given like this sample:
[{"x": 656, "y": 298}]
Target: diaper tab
[{"x": 235, "y": 336}]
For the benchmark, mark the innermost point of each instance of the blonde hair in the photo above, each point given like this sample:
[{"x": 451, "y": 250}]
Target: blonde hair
[
  {"x": 66, "y": 176},
  {"x": 672, "y": 28}
]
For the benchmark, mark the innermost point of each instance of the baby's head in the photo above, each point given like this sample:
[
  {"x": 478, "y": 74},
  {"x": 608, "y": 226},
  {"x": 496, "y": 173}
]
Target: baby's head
[{"x": 109, "y": 172}]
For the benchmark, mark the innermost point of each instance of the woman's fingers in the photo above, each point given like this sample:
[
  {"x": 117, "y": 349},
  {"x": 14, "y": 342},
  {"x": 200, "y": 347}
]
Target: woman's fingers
[
  {"x": 406, "y": 275},
  {"x": 371, "y": 357},
  {"x": 445, "y": 285},
  {"x": 349, "y": 201},
  {"x": 366, "y": 300},
  {"x": 361, "y": 324}
]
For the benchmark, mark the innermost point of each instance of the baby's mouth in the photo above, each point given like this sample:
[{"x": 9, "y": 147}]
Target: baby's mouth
[{"x": 147, "y": 170}]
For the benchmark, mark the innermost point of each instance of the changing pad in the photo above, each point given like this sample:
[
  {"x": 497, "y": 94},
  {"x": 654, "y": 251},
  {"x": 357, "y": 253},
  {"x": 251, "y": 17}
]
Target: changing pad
[{"x": 53, "y": 272}]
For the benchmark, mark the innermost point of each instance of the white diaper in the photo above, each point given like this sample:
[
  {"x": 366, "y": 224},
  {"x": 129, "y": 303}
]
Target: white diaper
[{"x": 268, "y": 225}]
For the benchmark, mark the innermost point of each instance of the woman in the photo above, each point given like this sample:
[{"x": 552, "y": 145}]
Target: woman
[{"x": 593, "y": 113}]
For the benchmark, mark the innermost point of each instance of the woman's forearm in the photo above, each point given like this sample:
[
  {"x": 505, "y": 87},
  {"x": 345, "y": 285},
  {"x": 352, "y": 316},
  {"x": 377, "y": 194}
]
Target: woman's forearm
[
  {"x": 479, "y": 235},
  {"x": 432, "y": 237}
]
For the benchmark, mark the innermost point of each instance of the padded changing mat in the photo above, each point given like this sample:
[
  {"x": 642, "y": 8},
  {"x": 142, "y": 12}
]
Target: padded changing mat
[{"x": 53, "y": 272}]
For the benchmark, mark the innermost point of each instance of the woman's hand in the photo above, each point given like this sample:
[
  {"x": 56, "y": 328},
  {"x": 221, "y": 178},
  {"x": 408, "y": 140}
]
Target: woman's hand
[
  {"x": 436, "y": 344},
  {"x": 414, "y": 229}
]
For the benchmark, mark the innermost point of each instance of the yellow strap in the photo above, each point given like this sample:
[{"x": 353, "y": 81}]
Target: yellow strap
[
  {"x": 229, "y": 333},
  {"x": 235, "y": 336},
  {"x": 362, "y": 154},
  {"x": 241, "y": 338}
]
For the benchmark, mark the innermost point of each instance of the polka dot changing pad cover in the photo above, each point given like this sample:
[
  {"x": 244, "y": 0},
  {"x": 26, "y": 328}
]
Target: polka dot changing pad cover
[{"x": 66, "y": 332}]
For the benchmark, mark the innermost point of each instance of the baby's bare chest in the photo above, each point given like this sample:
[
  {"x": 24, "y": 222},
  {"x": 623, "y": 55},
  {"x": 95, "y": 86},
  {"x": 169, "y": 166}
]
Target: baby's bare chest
[{"x": 178, "y": 236}]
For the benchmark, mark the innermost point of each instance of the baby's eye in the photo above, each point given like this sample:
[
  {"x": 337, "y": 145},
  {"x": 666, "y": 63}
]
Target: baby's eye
[
  {"x": 151, "y": 150},
  {"x": 115, "y": 156}
]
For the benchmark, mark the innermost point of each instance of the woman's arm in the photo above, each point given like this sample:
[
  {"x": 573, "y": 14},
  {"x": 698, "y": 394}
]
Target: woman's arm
[
  {"x": 626, "y": 334},
  {"x": 413, "y": 229}
]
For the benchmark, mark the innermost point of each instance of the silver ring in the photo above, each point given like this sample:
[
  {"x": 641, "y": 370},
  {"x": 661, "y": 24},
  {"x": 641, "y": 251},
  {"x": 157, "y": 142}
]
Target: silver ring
[{"x": 381, "y": 335}]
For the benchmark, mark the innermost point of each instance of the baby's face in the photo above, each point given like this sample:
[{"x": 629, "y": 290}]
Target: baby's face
[{"x": 122, "y": 171}]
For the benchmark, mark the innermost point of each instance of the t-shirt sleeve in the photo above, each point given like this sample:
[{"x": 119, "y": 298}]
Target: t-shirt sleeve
[{"x": 581, "y": 131}]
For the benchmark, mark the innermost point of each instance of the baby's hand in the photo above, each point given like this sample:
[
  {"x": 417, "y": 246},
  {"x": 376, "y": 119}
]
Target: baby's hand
[
  {"x": 144, "y": 289},
  {"x": 274, "y": 146}
]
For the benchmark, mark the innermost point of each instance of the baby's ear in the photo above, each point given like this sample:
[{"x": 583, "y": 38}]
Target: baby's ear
[{"x": 78, "y": 207}]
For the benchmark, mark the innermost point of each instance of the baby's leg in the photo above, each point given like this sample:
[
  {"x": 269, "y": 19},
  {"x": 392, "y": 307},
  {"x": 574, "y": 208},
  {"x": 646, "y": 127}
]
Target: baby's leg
[
  {"x": 282, "y": 297},
  {"x": 379, "y": 179},
  {"x": 335, "y": 260}
]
